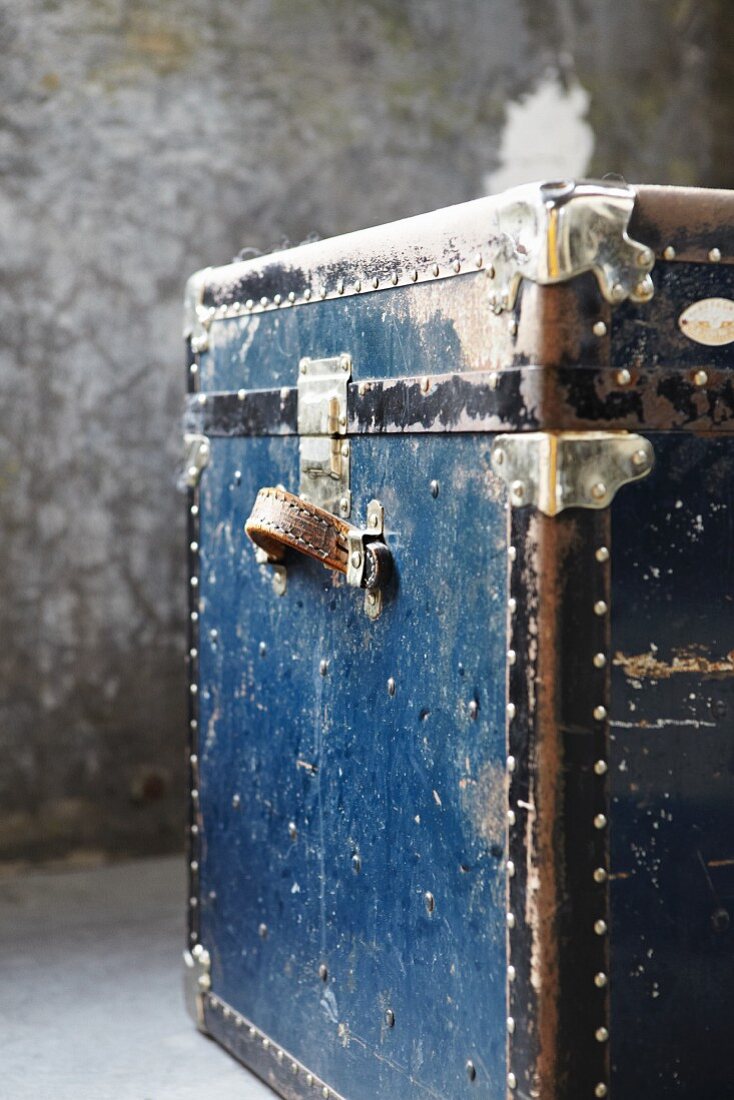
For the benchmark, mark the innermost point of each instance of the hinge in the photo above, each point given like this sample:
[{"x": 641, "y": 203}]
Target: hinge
[
  {"x": 197, "y": 451},
  {"x": 550, "y": 232},
  {"x": 322, "y": 422},
  {"x": 557, "y": 470},
  {"x": 197, "y": 982}
]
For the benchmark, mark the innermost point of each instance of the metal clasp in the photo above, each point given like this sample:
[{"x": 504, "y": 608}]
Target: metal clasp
[{"x": 322, "y": 423}]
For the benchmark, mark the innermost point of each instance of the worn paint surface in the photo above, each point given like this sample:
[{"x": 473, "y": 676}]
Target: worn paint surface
[
  {"x": 332, "y": 811},
  {"x": 672, "y": 774}
]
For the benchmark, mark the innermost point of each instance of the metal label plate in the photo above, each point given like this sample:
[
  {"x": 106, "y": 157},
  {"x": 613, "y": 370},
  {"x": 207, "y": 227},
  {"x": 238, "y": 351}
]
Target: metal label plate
[{"x": 709, "y": 321}]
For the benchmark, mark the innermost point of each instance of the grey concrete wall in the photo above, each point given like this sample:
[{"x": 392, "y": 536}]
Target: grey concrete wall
[{"x": 139, "y": 141}]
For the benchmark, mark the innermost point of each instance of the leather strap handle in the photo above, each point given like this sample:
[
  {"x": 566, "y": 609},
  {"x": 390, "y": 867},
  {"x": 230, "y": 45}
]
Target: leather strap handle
[{"x": 280, "y": 521}]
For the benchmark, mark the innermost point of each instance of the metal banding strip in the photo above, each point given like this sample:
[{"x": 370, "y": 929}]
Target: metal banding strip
[{"x": 574, "y": 398}]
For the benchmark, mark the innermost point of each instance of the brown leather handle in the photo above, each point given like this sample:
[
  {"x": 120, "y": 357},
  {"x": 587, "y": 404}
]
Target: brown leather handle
[{"x": 280, "y": 521}]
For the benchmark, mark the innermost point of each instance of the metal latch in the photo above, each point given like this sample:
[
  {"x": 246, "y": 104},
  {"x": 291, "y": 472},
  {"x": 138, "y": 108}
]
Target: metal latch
[
  {"x": 557, "y": 470},
  {"x": 322, "y": 423}
]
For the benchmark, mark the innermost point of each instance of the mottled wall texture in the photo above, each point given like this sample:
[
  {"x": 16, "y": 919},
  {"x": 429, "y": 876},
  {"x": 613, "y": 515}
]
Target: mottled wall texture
[{"x": 139, "y": 141}]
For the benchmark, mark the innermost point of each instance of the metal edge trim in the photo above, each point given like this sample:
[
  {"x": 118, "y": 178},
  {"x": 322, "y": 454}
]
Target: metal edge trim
[{"x": 255, "y": 1049}]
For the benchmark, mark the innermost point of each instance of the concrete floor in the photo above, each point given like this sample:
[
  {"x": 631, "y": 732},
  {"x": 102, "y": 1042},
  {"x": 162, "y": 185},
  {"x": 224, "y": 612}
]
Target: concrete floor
[{"x": 90, "y": 991}]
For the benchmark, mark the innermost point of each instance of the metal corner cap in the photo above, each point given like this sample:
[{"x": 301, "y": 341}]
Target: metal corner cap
[
  {"x": 551, "y": 231},
  {"x": 196, "y": 983},
  {"x": 195, "y": 313}
]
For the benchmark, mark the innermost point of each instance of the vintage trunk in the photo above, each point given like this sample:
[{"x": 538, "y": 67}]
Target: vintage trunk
[{"x": 462, "y": 757}]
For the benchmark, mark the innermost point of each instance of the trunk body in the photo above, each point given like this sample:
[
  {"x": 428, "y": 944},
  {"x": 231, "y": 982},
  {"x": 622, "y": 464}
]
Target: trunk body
[{"x": 468, "y": 834}]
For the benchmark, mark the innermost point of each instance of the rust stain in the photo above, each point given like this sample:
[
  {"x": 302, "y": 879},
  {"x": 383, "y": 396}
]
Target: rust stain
[{"x": 647, "y": 666}]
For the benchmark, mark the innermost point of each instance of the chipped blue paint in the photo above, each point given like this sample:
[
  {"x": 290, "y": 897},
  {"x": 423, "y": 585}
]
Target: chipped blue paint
[{"x": 332, "y": 808}]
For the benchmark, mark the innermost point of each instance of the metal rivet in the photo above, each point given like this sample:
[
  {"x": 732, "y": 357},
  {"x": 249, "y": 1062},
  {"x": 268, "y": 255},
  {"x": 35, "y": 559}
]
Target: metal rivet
[
  {"x": 413, "y": 276},
  {"x": 669, "y": 252},
  {"x": 291, "y": 296},
  {"x": 640, "y": 459},
  {"x": 263, "y": 302},
  {"x": 498, "y": 456},
  {"x": 193, "y": 654},
  {"x": 356, "y": 559},
  {"x": 517, "y": 490},
  {"x": 600, "y": 1090},
  {"x": 262, "y": 931},
  {"x": 600, "y": 980},
  {"x": 394, "y": 279},
  {"x": 473, "y": 709},
  {"x": 262, "y": 649},
  {"x": 374, "y": 520},
  {"x": 598, "y": 490},
  {"x": 344, "y": 506},
  {"x": 307, "y": 293},
  {"x": 602, "y": 554},
  {"x": 375, "y": 283},
  {"x": 324, "y": 972},
  {"x": 478, "y": 259},
  {"x": 490, "y": 271},
  {"x": 390, "y": 1017},
  {"x": 391, "y": 686},
  {"x": 194, "y": 616},
  {"x": 511, "y": 973},
  {"x": 193, "y": 688},
  {"x": 510, "y": 920},
  {"x": 599, "y": 660},
  {"x": 714, "y": 255},
  {"x": 700, "y": 378},
  {"x": 194, "y": 865},
  {"x": 645, "y": 258},
  {"x": 513, "y": 327},
  {"x": 623, "y": 377},
  {"x": 435, "y": 488},
  {"x": 323, "y": 666},
  {"x": 510, "y": 868},
  {"x": 340, "y": 287},
  {"x": 194, "y": 759},
  {"x": 456, "y": 266},
  {"x": 601, "y": 1034},
  {"x": 277, "y": 299},
  {"x": 600, "y": 927},
  {"x": 322, "y": 291},
  {"x": 511, "y": 656},
  {"x": 600, "y": 767},
  {"x": 511, "y": 1024},
  {"x": 292, "y": 830},
  {"x": 600, "y": 713},
  {"x": 600, "y": 328},
  {"x": 435, "y": 269},
  {"x": 512, "y": 605},
  {"x": 512, "y": 553},
  {"x": 235, "y": 801},
  {"x": 600, "y": 608},
  {"x": 194, "y": 368},
  {"x": 356, "y": 863},
  {"x": 511, "y": 710},
  {"x": 430, "y": 901},
  {"x": 600, "y": 821},
  {"x": 511, "y": 762},
  {"x": 194, "y": 509},
  {"x": 193, "y": 547},
  {"x": 511, "y": 1081},
  {"x": 471, "y": 1070},
  {"x": 511, "y": 818},
  {"x": 358, "y": 285},
  {"x": 600, "y": 875},
  {"x": 617, "y": 292},
  {"x": 309, "y": 1080}
]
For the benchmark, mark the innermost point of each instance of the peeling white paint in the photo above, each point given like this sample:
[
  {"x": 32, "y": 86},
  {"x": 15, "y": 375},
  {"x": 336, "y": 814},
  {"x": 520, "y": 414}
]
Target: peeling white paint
[{"x": 546, "y": 136}]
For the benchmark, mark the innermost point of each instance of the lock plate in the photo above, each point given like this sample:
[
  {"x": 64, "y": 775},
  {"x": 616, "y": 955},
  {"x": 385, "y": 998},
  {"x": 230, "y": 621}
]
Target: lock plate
[{"x": 322, "y": 423}]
